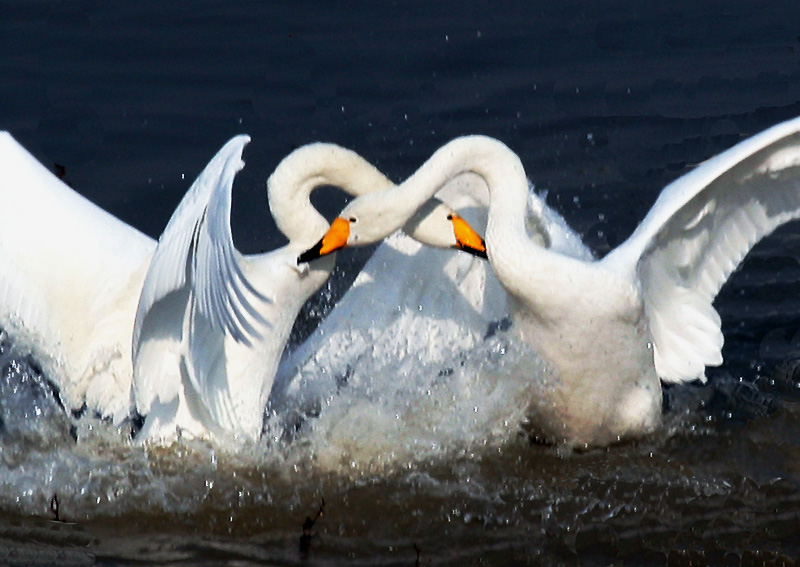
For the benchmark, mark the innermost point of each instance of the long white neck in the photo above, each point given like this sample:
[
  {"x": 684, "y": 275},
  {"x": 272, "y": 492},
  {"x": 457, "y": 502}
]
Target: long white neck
[
  {"x": 527, "y": 270},
  {"x": 491, "y": 160},
  {"x": 290, "y": 186}
]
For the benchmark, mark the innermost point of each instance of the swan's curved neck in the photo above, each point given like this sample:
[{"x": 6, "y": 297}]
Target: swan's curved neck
[
  {"x": 490, "y": 159},
  {"x": 290, "y": 186},
  {"x": 524, "y": 267}
]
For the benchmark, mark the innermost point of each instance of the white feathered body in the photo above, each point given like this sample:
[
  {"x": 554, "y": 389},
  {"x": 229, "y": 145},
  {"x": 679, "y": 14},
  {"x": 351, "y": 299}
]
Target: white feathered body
[
  {"x": 611, "y": 330},
  {"x": 600, "y": 385},
  {"x": 243, "y": 373},
  {"x": 589, "y": 326},
  {"x": 70, "y": 275},
  {"x": 614, "y": 328},
  {"x": 212, "y": 323}
]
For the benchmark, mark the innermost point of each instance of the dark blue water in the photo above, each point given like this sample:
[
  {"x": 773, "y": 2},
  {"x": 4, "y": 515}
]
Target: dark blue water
[{"x": 604, "y": 102}]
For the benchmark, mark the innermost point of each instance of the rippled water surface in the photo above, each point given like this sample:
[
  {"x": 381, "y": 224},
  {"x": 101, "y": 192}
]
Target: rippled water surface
[{"x": 605, "y": 104}]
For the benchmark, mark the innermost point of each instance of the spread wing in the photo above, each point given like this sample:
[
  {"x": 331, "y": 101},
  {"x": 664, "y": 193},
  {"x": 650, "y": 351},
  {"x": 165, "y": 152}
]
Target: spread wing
[
  {"x": 195, "y": 271},
  {"x": 697, "y": 233},
  {"x": 70, "y": 275},
  {"x": 196, "y": 249}
]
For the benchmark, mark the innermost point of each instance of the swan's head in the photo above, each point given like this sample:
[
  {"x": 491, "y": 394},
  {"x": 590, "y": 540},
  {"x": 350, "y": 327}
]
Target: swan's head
[{"x": 365, "y": 222}]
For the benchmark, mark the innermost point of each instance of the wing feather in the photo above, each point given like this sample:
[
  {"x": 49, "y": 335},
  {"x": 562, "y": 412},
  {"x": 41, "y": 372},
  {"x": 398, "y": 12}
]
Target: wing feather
[
  {"x": 196, "y": 250},
  {"x": 196, "y": 298},
  {"x": 699, "y": 230},
  {"x": 70, "y": 275},
  {"x": 231, "y": 378}
]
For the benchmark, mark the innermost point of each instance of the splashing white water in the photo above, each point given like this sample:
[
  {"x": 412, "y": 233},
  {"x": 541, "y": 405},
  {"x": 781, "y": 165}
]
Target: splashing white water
[
  {"x": 392, "y": 411},
  {"x": 395, "y": 411}
]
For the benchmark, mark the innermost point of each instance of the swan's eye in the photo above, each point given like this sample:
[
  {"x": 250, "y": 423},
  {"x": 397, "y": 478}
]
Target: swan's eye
[
  {"x": 450, "y": 216},
  {"x": 352, "y": 219}
]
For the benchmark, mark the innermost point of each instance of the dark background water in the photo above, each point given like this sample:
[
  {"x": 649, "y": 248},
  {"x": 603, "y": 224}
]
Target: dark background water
[
  {"x": 595, "y": 98},
  {"x": 605, "y": 102}
]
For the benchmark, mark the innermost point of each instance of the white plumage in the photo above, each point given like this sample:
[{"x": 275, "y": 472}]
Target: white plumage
[
  {"x": 70, "y": 277},
  {"x": 188, "y": 327},
  {"x": 610, "y": 329},
  {"x": 411, "y": 302},
  {"x": 212, "y": 324}
]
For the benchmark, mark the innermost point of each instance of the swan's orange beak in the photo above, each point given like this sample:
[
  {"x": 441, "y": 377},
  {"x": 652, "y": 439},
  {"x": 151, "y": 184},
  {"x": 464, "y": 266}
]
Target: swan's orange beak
[
  {"x": 334, "y": 239},
  {"x": 466, "y": 238}
]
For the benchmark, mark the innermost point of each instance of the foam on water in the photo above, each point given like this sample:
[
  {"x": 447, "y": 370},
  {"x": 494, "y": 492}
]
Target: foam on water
[
  {"x": 401, "y": 410},
  {"x": 424, "y": 452},
  {"x": 394, "y": 410}
]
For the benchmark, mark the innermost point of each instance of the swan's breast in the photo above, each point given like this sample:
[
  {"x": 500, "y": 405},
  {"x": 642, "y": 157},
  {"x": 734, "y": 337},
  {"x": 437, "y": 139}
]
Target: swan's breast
[{"x": 597, "y": 345}]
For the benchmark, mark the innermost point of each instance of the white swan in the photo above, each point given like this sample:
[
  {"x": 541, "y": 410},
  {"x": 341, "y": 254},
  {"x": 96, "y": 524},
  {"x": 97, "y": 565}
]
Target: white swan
[
  {"x": 70, "y": 277},
  {"x": 609, "y": 329},
  {"x": 212, "y": 324}
]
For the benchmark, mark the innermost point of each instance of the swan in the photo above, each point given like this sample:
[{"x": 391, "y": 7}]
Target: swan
[
  {"x": 83, "y": 290},
  {"x": 611, "y": 330},
  {"x": 211, "y": 323}
]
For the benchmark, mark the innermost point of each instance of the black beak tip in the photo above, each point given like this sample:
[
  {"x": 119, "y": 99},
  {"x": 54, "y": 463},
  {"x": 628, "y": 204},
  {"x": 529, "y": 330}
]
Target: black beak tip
[
  {"x": 311, "y": 254},
  {"x": 474, "y": 251}
]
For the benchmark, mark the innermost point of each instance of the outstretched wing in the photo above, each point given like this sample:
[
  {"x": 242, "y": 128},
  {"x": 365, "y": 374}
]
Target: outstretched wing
[
  {"x": 196, "y": 249},
  {"x": 698, "y": 231},
  {"x": 195, "y": 265},
  {"x": 70, "y": 275}
]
